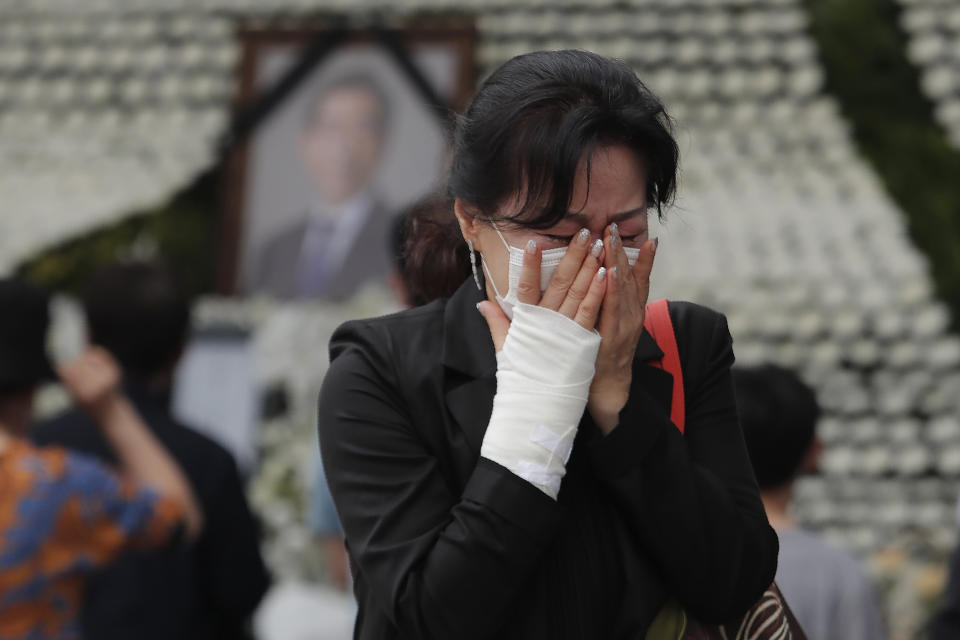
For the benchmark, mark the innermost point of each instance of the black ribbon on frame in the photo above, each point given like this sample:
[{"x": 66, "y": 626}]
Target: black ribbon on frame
[{"x": 320, "y": 47}]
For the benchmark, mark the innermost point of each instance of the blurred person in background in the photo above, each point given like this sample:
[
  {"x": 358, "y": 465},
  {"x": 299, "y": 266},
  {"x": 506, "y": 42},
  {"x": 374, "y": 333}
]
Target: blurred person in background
[
  {"x": 428, "y": 223},
  {"x": 827, "y": 589},
  {"x": 63, "y": 515},
  {"x": 136, "y": 312},
  {"x": 945, "y": 624},
  {"x": 396, "y": 249},
  {"x": 336, "y": 245}
]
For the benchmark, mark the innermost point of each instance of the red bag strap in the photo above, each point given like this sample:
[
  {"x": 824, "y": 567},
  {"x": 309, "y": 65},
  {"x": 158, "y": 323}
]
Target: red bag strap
[{"x": 657, "y": 321}]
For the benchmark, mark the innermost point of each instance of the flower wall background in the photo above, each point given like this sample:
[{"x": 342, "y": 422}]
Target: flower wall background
[{"x": 819, "y": 210}]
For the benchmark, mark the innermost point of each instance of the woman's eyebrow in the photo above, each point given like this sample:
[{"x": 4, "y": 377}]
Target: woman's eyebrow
[{"x": 576, "y": 216}]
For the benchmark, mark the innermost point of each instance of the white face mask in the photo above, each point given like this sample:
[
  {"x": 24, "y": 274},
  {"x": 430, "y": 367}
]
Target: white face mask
[{"x": 549, "y": 260}]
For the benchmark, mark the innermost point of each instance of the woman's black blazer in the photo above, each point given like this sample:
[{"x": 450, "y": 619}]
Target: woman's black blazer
[{"x": 446, "y": 545}]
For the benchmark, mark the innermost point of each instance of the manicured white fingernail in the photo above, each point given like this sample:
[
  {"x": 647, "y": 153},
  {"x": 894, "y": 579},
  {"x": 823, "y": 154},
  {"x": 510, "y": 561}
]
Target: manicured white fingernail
[
  {"x": 597, "y": 248},
  {"x": 601, "y": 274},
  {"x": 531, "y": 247},
  {"x": 615, "y": 272},
  {"x": 583, "y": 236},
  {"x": 614, "y": 229},
  {"x": 479, "y": 308}
]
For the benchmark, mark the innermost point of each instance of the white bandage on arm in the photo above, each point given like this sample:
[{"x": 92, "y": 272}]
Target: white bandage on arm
[{"x": 544, "y": 373}]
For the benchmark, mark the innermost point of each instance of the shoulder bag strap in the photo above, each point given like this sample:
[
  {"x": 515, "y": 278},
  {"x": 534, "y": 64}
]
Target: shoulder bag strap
[{"x": 657, "y": 322}]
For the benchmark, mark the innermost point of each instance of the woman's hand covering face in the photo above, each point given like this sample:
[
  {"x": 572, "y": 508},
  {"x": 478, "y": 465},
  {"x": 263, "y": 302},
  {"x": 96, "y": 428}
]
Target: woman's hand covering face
[
  {"x": 595, "y": 286},
  {"x": 620, "y": 325},
  {"x": 576, "y": 289}
]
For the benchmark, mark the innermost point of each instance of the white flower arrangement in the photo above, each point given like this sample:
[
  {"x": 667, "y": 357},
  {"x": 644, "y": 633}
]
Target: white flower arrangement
[{"x": 290, "y": 345}]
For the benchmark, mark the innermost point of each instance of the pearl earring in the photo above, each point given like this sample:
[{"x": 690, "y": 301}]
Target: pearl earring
[{"x": 473, "y": 264}]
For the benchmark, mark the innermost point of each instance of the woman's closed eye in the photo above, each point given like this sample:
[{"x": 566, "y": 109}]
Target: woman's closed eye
[{"x": 564, "y": 240}]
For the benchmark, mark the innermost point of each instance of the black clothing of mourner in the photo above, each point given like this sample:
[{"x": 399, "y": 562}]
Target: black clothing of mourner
[
  {"x": 946, "y": 623},
  {"x": 23, "y": 336},
  {"x": 445, "y": 544},
  {"x": 205, "y": 591}
]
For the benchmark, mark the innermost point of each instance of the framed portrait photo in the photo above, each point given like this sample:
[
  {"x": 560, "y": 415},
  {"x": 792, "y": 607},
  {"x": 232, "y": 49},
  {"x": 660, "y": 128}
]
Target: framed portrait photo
[{"x": 359, "y": 133}]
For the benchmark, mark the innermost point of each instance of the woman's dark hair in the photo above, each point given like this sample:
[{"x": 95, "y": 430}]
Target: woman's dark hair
[{"x": 536, "y": 117}]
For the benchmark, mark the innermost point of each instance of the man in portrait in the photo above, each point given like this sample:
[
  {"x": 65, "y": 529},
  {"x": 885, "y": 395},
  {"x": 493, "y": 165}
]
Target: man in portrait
[{"x": 338, "y": 243}]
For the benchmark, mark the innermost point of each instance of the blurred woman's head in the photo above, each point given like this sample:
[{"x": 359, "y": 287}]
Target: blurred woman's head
[
  {"x": 555, "y": 142},
  {"x": 421, "y": 274}
]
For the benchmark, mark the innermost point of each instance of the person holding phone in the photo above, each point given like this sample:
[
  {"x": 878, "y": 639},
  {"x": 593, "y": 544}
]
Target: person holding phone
[{"x": 64, "y": 516}]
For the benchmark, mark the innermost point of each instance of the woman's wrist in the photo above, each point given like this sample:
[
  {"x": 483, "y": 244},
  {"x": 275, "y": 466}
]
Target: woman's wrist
[
  {"x": 544, "y": 372},
  {"x": 549, "y": 347},
  {"x": 605, "y": 408}
]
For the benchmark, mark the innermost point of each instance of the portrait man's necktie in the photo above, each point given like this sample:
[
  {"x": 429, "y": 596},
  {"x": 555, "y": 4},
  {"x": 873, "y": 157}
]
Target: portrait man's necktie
[{"x": 314, "y": 270}]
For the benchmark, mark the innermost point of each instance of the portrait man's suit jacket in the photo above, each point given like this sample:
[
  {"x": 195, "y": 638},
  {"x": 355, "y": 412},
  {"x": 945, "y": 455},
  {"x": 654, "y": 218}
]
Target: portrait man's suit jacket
[{"x": 276, "y": 270}]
